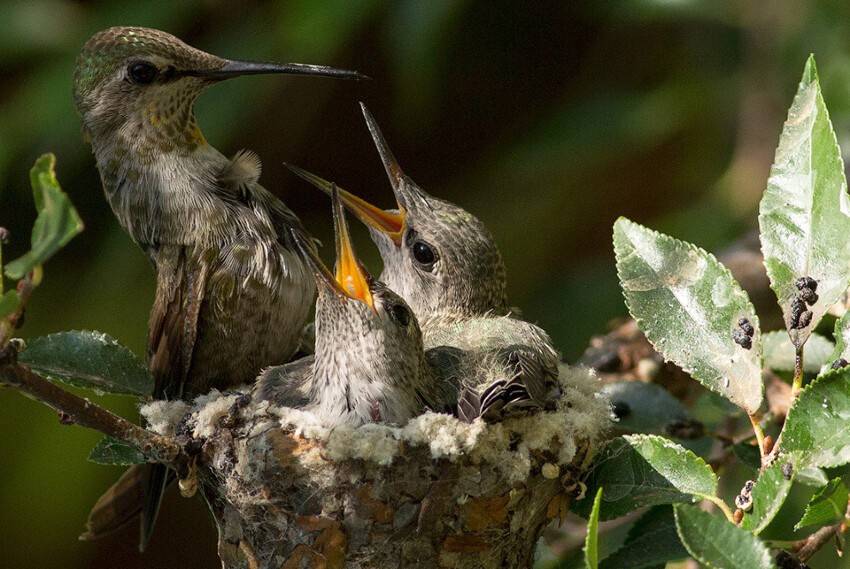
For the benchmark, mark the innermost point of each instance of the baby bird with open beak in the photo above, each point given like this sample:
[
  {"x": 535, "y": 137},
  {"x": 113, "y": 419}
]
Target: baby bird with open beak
[
  {"x": 369, "y": 364},
  {"x": 444, "y": 262}
]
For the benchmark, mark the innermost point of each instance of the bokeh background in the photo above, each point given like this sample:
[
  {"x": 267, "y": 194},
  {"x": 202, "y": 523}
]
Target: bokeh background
[{"x": 548, "y": 120}]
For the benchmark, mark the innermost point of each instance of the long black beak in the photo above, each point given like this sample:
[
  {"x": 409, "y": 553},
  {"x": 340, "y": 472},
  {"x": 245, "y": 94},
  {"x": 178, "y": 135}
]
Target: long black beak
[
  {"x": 408, "y": 195},
  {"x": 238, "y": 68}
]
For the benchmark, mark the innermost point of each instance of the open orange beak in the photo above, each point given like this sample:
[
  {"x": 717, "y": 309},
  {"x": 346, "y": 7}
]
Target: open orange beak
[
  {"x": 388, "y": 222},
  {"x": 350, "y": 273},
  {"x": 351, "y": 279},
  {"x": 408, "y": 196}
]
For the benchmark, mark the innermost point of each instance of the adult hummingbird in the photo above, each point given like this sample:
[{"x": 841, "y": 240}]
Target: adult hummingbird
[
  {"x": 369, "y": 363},
  {"x": 445, "y": 263},
  {"x": 233, "y": 291}
]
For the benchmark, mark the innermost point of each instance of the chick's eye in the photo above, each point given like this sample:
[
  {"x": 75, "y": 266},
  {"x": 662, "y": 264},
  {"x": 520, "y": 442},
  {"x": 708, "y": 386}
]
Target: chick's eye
[
  {"x": 142, "y": 72},
  {"x": 424, "y": 254},
  {"x": 400, "y": 313}
]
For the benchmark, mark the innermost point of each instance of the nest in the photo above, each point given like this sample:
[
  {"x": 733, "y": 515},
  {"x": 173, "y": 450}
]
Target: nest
[{"x": 289, "y": 493}]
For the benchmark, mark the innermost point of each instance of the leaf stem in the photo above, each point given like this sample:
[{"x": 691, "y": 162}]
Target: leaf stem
[
  {"x": 723, "y": 507},
  {"x": 759, "y": 435},
  {"x": 797, "y": 383}
]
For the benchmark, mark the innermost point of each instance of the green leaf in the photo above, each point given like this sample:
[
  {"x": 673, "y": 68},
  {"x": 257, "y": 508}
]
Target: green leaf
[
  {"x": 689, "y": 307},
  {"x": 652, "y": 541},
  {"x": 818, "y": 424},
  {"x": 827, "y": 506},
  {"x": 747, "y": 453},
  {"x": 842, "y": 344},
  {"x": 769, "y": 493},
  {"x": 645, "y": 407},
  {"x": 779, "y": 352},
  {"x": 804, "y": 214},
  {"x": 811, "y": 476},
  {"x": 8, "y": 303},
  {"x": 715, "y": 542},
  {"x": 645, "y": 470},
  {"x": 88, "y": 359},
  {"x": 591, "y": 545},
  {"x": 110, "y": 450},
  {"x": 57, "y": 221}
]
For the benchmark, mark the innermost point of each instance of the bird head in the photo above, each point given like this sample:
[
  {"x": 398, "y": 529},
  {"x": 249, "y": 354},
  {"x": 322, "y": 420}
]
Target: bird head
[
  {"x": 358, "y": 318},
  {"x": 437, "y": 256},
  {"x": 145, "y": 82}
]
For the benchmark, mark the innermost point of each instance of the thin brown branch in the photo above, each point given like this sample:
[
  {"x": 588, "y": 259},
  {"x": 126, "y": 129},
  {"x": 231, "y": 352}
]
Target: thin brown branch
[
  {"x": 808, "y": 547},
  {"x": 77, "y": 410}
]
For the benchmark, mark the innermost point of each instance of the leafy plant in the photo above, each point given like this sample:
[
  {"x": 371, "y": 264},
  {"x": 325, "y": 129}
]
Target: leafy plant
[
  {"x": 79, "y": 358},
  {"x": 695, "y": 314}
]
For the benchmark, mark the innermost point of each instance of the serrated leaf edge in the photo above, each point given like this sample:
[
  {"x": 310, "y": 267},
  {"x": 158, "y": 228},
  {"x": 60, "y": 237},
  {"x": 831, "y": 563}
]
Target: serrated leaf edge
[{"x": 640, "y": 321}]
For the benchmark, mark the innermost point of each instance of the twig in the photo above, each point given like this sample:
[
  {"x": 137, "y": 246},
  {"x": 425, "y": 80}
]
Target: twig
[
  {"x": 759, "y": 436},
  {"x": 75, "y": 409},
  {"x": 806, "y": 548},
  {"x": 797, "y": 383}
]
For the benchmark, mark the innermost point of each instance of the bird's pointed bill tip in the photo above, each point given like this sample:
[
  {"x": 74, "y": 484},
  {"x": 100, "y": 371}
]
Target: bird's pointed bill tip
[
  {"x": 350, "y": 272},
  {"x": 238, "y": 68}
]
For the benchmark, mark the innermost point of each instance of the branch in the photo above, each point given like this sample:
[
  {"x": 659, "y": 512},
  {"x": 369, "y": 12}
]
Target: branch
[
  {"x": 76, "y": 410},
  {"x": 806, "y": 548}
]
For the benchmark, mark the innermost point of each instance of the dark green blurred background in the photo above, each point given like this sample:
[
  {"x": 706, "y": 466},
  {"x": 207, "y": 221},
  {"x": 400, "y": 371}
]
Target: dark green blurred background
[{"x": 546, "y": 119}]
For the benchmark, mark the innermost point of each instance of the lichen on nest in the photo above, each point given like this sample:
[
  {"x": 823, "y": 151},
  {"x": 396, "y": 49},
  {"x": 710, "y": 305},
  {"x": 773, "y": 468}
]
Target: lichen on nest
[{"x": 583, "y": 414}]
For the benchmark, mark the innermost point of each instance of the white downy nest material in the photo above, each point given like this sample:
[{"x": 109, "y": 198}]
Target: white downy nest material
[
  {"x": 583, "y": 414},
  {"x": 435, "y": 492}
]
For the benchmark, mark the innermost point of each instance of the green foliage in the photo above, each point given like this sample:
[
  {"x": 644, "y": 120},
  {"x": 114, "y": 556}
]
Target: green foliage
[
  {"x": 769, "y": 493},
  {"x": 591, "y": 546},
  {"x": 647, "y": 408},
  {"x": 817, "y": 426},
  {"x": 8, "y": 303},
  {"x": 652, "y": 541},
  {"x": 714, "y": 542},
  {"x": 811, "y": 476},
  {"x": 645, "y": 470},
  {"x": 692, "y": 311},
  {"x": 111, "y": 451},
  {"x": 842, "y": 343},
  {"x": 804, "y": 214},
  {"x": 827, "y": 506},
  {"x": 779, "y": 352},
  {"x": 57, "y": 222},
  {"x": 88, "y": 359}
]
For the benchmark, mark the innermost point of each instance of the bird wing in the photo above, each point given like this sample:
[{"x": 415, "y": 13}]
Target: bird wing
[
  {"x": 173, "y": 329},
  {"x": 529, "y": 381},
  {"x": 286, "y": 385},
  {"x": 172, "y": 334}
]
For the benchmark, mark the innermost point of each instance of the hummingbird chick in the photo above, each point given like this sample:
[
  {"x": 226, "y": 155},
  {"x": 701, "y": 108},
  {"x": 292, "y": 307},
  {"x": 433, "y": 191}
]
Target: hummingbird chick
[
  {"x": 232, "y": 290},
  {"x": 369, "y": 365},
  {"x": 444, "y": 262}
]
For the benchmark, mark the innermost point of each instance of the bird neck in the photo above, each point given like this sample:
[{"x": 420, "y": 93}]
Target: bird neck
[
  {"x": 156, "y": 189},
  {"x": 355, "y": 390}
]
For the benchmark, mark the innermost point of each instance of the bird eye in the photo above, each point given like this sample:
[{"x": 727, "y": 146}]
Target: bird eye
[
  {"x": 424, "y": 255},
  {"x": 142, "y": 72},
  {"x": 400, "y": 313}
]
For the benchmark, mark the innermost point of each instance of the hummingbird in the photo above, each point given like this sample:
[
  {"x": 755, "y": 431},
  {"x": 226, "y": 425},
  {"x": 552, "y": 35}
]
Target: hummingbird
[
  {"x": 369, "y": 363},
  {"x": 233, "y": 290},
  {"x": 445, "y": 263}
]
